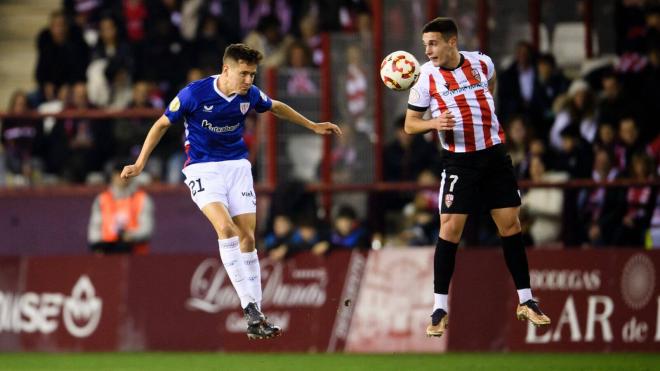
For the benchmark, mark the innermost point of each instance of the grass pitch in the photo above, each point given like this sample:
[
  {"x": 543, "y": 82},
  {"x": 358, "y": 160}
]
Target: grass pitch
[{"x": 329, "y": 362}]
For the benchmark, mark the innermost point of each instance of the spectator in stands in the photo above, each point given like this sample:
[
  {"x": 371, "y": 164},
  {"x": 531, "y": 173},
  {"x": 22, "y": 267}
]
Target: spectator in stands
[
  {"x": 62, "y": 57},
  {"x": 268, "y": 39},
  {"x": 112, "y": 67},
  {"x": 579, "y": 109},
  {"x": 163, "y": 44},
  {"x": 630, "y": 27},
  {"x": 348, "y": 154},
  {"x": 640, "y": 202},
  {"x": 122, "y": 218},
  {"x": 552, "y": 84},
  {"x": 310, "y": 235},
  {"x": 653, "y": 150},
  {"x": 309, "y": 34},
  {"x": 606, "y": 138},
  {"x": 406, "y": 156},
  {"x": 252, "y": 12},
  {"x": 128, "y": 131},
  {"x": 348, "y": 231},
  {"x": 20, "y": 139},
  {"x": 345, "y": 15},
  {"x": 299, "y": 63},
  {"x": 601, "y": 209},
  {"x": 354, "y": 90},
  {"x": 652, "y": 20},
  {"x": 613, "y": 104},
  {"x": 278, "y": 242},
  {"x": 544, "y": 205},
  {"x": 518, "y": 87},
  {"x": 77, "y": 146},
  {"x": 421, "y": 214},
  {"x": 517, "y": 144},
  {"x": 134, "y": 13},
  {"x": 575, "y": 158},
  {"x": 575, "y": 155},
  {"x": 208, "y": 46},
  {"x": 111, "y": 44},
  {"x": 84, "y": 13},
  {"x": 628, "y": 144}
]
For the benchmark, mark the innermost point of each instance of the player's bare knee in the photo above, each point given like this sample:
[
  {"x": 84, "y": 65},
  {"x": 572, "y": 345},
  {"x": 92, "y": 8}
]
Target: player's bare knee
[
  {"x": 228, "y": 230},
  {"x": 247, "y": 241},
  {"x": 510, "y": 228},
  {"x": 450, "y": 229}
]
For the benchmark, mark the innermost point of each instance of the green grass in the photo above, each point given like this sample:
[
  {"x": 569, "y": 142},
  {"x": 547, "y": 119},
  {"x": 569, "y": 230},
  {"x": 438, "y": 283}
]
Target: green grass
[{"x": 334, "y": 362}]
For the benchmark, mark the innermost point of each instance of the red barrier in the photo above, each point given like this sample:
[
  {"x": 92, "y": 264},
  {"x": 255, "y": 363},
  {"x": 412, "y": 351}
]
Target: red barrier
[
  {"x": 599, "y": 300},
  {"x": 63, "y": 303},
  {"x": 170, "y": 303},
  {"x": 394, "y": 304},
  {"x": 203, "y": 313}
]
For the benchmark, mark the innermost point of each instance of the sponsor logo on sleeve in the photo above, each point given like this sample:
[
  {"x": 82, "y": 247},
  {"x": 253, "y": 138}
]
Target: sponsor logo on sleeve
[{"x": 175, "y": 104}]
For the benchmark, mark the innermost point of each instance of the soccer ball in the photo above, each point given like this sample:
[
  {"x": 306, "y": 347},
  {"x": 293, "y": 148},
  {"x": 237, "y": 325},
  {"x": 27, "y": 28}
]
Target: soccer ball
[{"x": 399, "y": 70}]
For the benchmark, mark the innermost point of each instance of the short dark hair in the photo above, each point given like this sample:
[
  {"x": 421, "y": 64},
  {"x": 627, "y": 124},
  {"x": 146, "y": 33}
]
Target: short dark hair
[
  {"x": 446, "y": 26},
  {"x": 242, "y": 52}
]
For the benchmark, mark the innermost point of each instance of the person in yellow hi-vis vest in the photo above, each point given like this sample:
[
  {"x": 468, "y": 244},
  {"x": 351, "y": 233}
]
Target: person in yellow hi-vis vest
[{"x": 122, "y": 218}]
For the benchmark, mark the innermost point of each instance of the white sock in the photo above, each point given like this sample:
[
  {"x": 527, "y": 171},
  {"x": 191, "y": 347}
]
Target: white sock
[
  {"x": 440, "y": 302},
  {"x": 230, "y": 253},
  {"x": 252, "y": 271},
  {"x": 524, "y": 295}
]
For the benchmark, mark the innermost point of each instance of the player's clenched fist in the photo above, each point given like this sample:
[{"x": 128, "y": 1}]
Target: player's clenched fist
[
  {"x": 327, "y": 128},
  {"x": 130, "y": 171},
  {"x": 444, "y": 122}
]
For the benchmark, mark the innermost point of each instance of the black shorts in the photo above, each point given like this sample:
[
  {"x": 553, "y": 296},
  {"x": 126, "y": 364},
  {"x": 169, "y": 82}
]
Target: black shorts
[{"x": 478, "y": 179}]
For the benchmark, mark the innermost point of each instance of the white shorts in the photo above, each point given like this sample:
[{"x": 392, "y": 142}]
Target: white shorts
[{"x": 227, "y": 182}]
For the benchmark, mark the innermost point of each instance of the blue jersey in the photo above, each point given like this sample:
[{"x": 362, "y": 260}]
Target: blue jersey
[{"x": 214, "y": 122}]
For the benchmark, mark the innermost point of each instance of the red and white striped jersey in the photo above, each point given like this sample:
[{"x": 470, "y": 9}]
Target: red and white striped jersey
[{"x": 464, "y": 91}]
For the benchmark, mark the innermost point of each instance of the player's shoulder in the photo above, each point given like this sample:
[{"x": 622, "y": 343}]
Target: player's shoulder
[
  {"x": 255, "y": 92},
  {"x": 475, "y": 55}
]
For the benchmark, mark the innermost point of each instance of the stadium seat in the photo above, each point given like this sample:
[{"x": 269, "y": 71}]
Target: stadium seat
[{"x": 568, "y": 44}]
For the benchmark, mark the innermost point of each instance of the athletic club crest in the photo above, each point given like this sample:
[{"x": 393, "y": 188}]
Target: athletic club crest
[
  {"x": 476, "y": 75},
  {"x": 245, "y": 107},
  {"x": 449, "y": 199}
]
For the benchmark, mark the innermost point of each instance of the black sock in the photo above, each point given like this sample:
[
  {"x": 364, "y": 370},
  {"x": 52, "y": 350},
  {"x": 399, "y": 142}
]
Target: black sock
[
  {"x": 443, "y": 265},
  {"x": 516, "y": 260}
]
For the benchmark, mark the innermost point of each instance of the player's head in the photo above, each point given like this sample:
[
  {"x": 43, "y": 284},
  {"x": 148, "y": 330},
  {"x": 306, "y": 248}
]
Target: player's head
[
  {"x": 440, "y": 37},
  {"x": 239, "y": 67}
]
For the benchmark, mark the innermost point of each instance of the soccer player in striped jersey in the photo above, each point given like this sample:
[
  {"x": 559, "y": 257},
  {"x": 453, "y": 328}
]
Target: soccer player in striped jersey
[
  {"x": 458, "y": 88},
  {"x": 217, "y": 171}
]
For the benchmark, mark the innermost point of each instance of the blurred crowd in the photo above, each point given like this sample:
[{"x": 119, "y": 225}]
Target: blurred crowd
[{"x": 601, "y": 124}]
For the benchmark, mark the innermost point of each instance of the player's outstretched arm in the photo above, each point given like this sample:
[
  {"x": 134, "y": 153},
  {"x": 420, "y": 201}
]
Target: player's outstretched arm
[
  {"x": 415, "y": 123},
  {"x": 284, "y": 111},
  {"x": 153, "y": 137}
]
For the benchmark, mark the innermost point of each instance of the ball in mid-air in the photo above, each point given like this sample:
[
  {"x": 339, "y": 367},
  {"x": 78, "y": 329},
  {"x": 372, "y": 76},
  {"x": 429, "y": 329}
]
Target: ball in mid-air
[{"x": 399, "y": 70}]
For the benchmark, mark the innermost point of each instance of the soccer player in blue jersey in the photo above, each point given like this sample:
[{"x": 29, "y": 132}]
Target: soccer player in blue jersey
[{"x": 217, "y": 170}]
